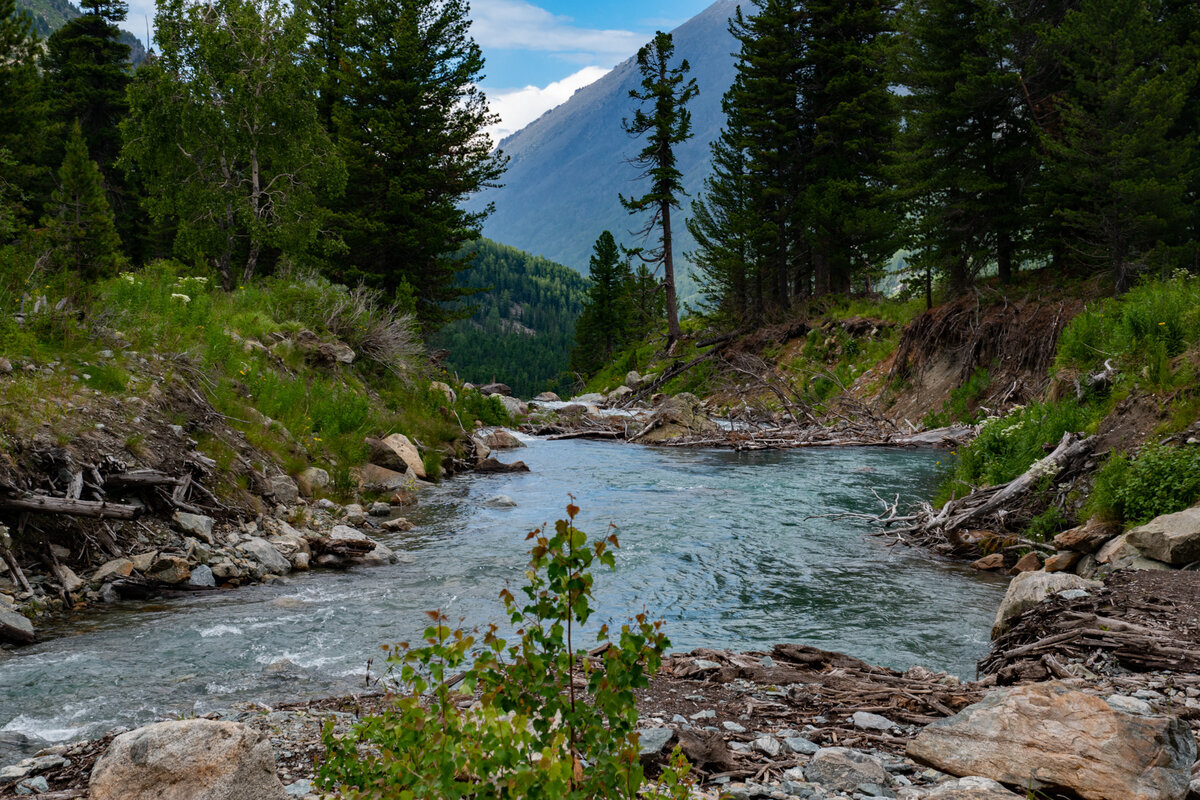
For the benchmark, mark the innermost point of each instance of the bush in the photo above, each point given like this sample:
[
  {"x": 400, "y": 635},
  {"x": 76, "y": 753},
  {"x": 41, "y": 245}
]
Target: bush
[
  {"x": 532, "y": 731},
  {"x": 1161, "y": 479}
]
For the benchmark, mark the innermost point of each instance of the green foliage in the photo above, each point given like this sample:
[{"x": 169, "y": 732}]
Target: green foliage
[
  {"x": 962, "y": 406},
  {"x": 1046, "y": 525},
  {"x": 667, "y": 124},
  {"x": 79, "y": 222},
  {"x": 1160, "y": 479},
  {"x": 522, "y": 318},
  {"x": 108, "y": 378},
  {"x": 1007, "y": 446},
  {"x": 408, "y": 117},
  {"x": 532, "y": 732},
  {"x": 223, "y": 127}
]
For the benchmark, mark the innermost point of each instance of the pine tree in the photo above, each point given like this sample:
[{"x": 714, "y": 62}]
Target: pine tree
[
  {"x": 666, "y": 91},
  {"x": 968, "y": 148},
  {"x": 409, "y": 120},
  {"x": 79, "y": 222},
  {"x": 723, "y": 227},
  {"x": 604, "y": 324},
  {"x": 87, "y": 73},
  {"x": 22, "y": 110},
  {"x": 1118, "y": 166},
  {"x": 848, "y": 204}
]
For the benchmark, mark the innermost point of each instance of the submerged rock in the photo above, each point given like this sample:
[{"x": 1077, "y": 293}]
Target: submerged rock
[
  {"x": 1046, "y": 735},
  {"x": 188, "y": 760},
  {"x": 681, "y": 415}
]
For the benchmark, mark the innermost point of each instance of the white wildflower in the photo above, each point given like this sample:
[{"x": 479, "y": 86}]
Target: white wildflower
[{"x": 181, "y": 298}]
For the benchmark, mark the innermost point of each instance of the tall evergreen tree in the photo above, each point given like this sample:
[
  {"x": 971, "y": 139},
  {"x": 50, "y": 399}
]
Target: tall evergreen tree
[
  {"x": 87, "y": 73},
  {"x": 968, "y": 148},
  {"x": 79, "y": 221},
  {"x": 224, "y": 130},
  {"x": 604, "y": 324},
  {"x": 848, "y": 204},
  {"x": 666, "y": 91},
  {"x": 409, "y": 121},
  {"x": 22, "y": 110},
  {"x": 751, "y": 245},
  {"x": 1118, "y": 164}
]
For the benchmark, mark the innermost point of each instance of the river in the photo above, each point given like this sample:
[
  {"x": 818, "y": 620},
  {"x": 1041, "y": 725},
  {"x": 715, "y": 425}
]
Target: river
[{"x": 718, "y": 544}]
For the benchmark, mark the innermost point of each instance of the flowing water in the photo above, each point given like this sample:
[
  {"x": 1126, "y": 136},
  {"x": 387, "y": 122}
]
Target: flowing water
[{"x": 723, "y": 546}]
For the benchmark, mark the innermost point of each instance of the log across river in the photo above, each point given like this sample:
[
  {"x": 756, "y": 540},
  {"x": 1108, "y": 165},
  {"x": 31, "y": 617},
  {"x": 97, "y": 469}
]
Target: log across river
[{"x": 722, "y": 545}]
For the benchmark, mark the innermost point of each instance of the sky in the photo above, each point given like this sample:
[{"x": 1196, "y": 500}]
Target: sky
[{"x": 540, "y": 51}]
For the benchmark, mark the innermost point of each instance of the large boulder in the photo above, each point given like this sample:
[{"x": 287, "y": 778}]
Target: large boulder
[
  {"x": 169, "y": 569},
  {"x": 1121, "y": 553},
  {"x": 192, "y": 759},
  {"x": 445, "y": 389},
  {"x": 396, "y": 452},
  {"x": 111, "y": 570},
  {"x": 500, "y": 439},
  {"x": 1172, "y": 538},
  {"x": 1030, "y": 588},
  {"x": 495, "y": 388},
  {"x": 1047, "y": 735},
  {"x": 514, "y": 407},
  {"x": 681, "y": 415},
  {"x": 265, "y": 553},
  {"x": 1087, "y": 538},
  {"x": 372, "y": 477},
  {"x": 15, "y": 628}
]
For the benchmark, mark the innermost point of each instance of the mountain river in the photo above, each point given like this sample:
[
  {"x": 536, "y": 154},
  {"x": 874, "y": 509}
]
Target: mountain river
[{"x": 721, "y": 545}]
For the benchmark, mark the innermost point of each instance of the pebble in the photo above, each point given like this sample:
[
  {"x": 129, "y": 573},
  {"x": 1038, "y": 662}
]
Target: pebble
[
  {"x": 733, "y": 727},
  {"x": 800, "y": 746},
  {"x": 707, "y": 713},
  {"x": 767, "y": 745},
  {"x": 871, "y": 722},
  {"x": 33, "y": 786}
]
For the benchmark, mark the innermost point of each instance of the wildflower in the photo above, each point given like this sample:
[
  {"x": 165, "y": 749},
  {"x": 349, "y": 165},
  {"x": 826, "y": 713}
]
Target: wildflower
[{"x": 182, "y": 298}]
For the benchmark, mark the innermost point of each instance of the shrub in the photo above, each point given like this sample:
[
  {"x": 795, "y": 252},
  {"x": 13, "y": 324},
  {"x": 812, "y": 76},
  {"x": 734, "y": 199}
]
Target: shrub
[
  {"x": 532, "y": 731},
  {"x": 1161, "y": 479}
]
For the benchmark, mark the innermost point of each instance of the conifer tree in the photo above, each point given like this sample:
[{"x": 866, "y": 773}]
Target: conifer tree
[
  {"x": 87, "y": 73},
  {"x": 1118, "y": 164},
  {"x": 848, "y": 205},
  {"x": 79, "y": 221},
  {"x": 604, "y": 324},
  {"x": 22, "y": 112},
  {"x": 666, "y": 123},
  {"x": 409, "y": 121},
  {"x": 968, "y": 150}
]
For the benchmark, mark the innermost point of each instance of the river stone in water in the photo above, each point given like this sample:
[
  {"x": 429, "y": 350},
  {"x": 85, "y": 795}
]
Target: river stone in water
[
  {"x": 195, "y": 759},
  {"x": 1171, "y": 538},
  {"x": 15, "y": 628},
  {"x": 1048, "y": 735}
]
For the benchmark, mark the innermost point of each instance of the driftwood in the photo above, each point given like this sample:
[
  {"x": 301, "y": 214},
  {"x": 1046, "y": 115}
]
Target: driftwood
[
  {"x": 63, "y": 505},
  {"x": 141, "y": 478}
]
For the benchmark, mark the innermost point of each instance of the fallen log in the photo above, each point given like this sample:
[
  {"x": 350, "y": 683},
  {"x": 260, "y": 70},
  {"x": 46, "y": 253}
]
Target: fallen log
[
  {"x": 140, "y": 478},
  {"x": 319, "y": 545},
  {"x": 94, "y": 509}
]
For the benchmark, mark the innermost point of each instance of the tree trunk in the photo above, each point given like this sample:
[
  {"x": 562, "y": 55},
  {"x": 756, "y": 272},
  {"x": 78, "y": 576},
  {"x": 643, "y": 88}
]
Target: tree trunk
[
  {"x": 673, "y": 330},
  {"x": 1004, "y": 250}
]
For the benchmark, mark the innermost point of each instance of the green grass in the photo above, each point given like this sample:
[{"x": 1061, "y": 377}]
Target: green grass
[{"x": 1160, "y": 479}]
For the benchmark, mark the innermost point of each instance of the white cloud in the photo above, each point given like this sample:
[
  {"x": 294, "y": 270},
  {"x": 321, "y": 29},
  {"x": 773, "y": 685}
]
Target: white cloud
[
  {"x": 518, "y": 25},
  {"x": 519, "y": 107}
]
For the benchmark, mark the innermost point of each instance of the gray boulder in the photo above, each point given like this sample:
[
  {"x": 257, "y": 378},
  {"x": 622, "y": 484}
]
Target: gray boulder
[
  {"x": 194, "y": 759},
  {"x": 1171, "y": 538},
  {"x": 202, "y": 575},
  {"x": 1030, "y": 588},
  {"x": 264, "y": 553},
  {"x": 15, "y": 628},
  {"x": 971, "y": 788},
  {"x": 1046, "y": 735},
  {"x": 196, "y": 525},
  {"x": 844, "y": 769}
]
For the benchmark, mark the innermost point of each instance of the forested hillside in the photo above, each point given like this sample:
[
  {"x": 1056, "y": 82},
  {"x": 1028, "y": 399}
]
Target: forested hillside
[
  {"x": 50, "y": 15},
  {"x": 522, "y": 323}
]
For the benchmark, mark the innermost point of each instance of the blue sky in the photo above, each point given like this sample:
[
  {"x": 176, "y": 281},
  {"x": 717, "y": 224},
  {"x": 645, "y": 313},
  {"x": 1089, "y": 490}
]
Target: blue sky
[{"x": 540, "y": 51}]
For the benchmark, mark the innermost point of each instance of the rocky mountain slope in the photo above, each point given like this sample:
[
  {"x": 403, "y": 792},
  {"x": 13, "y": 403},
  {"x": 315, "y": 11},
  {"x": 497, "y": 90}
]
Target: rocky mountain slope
[
  {"x": 50, "y": 15},
  {"x": 567, "y": 168}
]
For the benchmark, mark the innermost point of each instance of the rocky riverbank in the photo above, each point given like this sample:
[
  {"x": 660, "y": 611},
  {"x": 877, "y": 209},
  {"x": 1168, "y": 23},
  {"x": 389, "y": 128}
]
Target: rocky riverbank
[{"x": 796, "y": 723}]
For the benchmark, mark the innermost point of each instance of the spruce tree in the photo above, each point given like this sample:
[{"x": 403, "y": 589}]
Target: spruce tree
[
  {"x": 79, "y": 221},
  {"x": 848, "y": 204},
  {"x": 409, "y": 121},
  {"x": 604, "y": 324},
  {"x": 1118, "y": 162},
  {"x": 666, "y": 123},
  {"x": 87, "y": 73},
  {"x": 968, "y": 149},
  {"x": 22, "y": 110},
  {"x": 723, "y": 226}
]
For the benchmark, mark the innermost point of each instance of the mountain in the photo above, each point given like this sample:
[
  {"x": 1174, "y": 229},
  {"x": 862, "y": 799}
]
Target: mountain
[
  {"x": 522, "y": 324},
  {"x": 568, "y": 166},
  {"x": 50, "y": 15}
]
